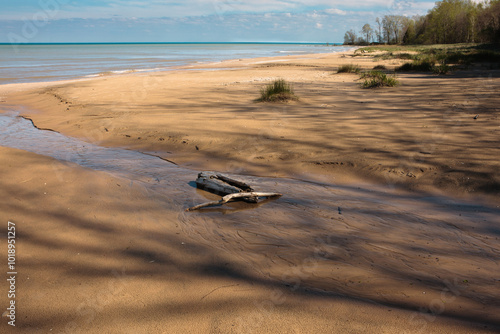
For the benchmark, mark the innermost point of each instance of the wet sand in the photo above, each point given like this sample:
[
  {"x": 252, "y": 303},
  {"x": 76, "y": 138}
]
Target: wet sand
[{"x": 100, "y": 254}]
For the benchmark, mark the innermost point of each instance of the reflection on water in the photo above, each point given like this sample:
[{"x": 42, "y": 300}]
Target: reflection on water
[{"x": 357, "y": 240}]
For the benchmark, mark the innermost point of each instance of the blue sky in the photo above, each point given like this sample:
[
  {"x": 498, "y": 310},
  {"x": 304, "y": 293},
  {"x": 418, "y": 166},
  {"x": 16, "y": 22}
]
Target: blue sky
[{"x": 39, "y": 21}]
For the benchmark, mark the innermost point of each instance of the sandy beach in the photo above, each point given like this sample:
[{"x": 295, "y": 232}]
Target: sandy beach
[
  {"x": 420, "y": 135},
  {"x": 413, "y": 171}
]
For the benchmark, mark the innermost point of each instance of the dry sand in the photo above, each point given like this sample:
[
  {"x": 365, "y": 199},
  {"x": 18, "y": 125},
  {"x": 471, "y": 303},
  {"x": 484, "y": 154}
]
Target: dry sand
[{"x": 99, "y": 255}]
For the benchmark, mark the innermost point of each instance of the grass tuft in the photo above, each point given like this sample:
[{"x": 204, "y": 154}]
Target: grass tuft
[
  {"x": 374, "y": 79},
  {"x": 350, "y": 68},
  {"x": 278, "y": 91},
  {"x": 417, "y": 66},
  {"x": 406, "y": 55},
  {"x": 442, "y": 68},
  {"x": 380, "y": 67}
]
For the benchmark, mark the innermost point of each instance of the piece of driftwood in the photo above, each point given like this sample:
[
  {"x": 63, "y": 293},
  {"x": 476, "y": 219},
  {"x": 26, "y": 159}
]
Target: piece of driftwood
[
  {"x": 242, "y": 185},
  {"x": 220, "y": 184},
  {"x": 229, "y": 197},
  {"x": 228, "y": 188}
]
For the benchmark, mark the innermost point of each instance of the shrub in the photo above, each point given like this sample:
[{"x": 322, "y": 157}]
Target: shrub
[
  {"x": 279, "y": 90},
  {"x": 374, "y": 79},
  {"x": 349, "y": 69},
  {"x": 380, "y": 67}
]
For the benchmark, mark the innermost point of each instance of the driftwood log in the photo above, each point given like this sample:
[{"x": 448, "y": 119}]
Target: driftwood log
[
  {"x": 227, "y": 187},
  {"x": 220, "y": 184}
]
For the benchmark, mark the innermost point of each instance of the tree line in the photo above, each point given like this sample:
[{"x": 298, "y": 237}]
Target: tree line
[{"x": 450, "y": 21}]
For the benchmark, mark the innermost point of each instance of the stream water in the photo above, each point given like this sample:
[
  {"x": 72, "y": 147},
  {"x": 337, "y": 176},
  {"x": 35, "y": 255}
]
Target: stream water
[{"x": 333, "y": 234}]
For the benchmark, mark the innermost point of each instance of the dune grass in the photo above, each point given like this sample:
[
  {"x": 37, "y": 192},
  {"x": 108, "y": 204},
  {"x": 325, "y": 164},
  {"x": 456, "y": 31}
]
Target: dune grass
[
  {"x": 349, "y": 68},
  {"x": 417, "y": 66},
  {"x": 442, "y": 68},
  {"x": 439, "y": 59},
  {"x": 278, "y": 91},
  {"x": 375, "y": 79},
  {"x": 427, "y": 64}
]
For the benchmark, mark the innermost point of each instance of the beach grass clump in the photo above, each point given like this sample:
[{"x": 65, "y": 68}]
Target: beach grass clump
[
  {"x": 349, "y": 68},
  {"x": 396, "y": 55},
  {"x": 424, "y": 65},
  {"x": 278, "y": 91},
  {"x": 406, "y": 55},
  {"x": 375, "y": 79},
  {"x": 442, "y": 68},
  {"x": 384, "y": 56}
]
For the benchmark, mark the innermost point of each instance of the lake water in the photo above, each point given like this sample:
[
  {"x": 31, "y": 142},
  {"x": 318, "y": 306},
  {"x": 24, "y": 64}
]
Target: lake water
[{"x": 52, "y": 62}]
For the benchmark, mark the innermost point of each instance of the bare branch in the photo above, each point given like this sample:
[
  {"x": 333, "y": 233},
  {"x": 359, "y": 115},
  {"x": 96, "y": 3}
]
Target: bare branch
[{"x": 230, "y": 197}]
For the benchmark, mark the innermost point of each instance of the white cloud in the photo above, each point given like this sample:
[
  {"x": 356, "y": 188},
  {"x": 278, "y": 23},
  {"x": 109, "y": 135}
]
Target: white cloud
[
  {"x": 218, "y": 20},
  {"x": 175, "y": 8},
  {"x": 316, "y": 16},
  {"x": 335, "y": 11}
]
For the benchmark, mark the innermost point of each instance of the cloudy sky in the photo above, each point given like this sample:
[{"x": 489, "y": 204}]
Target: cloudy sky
[{"x": 40, "y": 21}]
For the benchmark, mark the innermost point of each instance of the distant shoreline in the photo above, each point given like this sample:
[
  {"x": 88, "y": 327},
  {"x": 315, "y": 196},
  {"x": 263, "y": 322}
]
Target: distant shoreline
[{"x": 181, "y": 43}]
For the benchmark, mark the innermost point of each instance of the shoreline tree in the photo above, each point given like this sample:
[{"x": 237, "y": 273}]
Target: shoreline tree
[
  {"x": 367, "y": 31},
  {"x": 350, "y": 37},
  {"x": 450, "y": 21},
  {"x": 379, "y": 30}
]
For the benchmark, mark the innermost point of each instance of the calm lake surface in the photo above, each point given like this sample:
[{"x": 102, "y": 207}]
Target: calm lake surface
[{"x": 52, "y": 62}]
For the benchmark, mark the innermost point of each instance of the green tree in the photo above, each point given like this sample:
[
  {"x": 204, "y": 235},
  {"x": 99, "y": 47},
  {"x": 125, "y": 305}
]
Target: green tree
[
  {"x": 350, "y": 37},
  {"x": 394, "y": 28},
  {"x": 411, "y": 32},
  {"x": 367, "y": 32},
  {"x": 489, "y": 22},
  {"x": 451, "y": 21},
  {"x": 379, "y": 30}
]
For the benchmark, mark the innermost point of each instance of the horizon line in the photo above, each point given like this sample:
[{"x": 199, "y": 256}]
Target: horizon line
[{"x": 123, "y": 43}]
